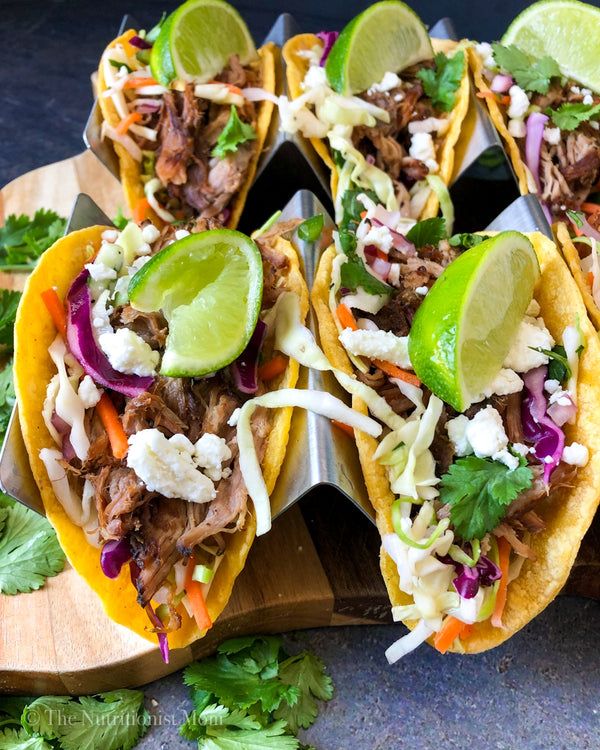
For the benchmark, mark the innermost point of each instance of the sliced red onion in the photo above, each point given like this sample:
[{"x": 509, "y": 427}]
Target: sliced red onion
[
  {"x": 399, "y": 241},
  {"x": 547, "y": 212},
  {"x": 115, "y": 553},
  {"x": 548, "y": 439},
  {"x": 389, "y": 218},
  {"x": 245, "y": 367},
  {"x": 64, "y": 430},
  {"x": 370, "y": 159},
  {"x": 501, "y": 83},
  {"x": 163, "y": 641},
  {"x": 83, "y": 346},
  {"x": 560, "y": 414},
  {"x": 226, "y": 214},
  {"x": 147, "y": 106},
  {"x": 381, "y": 268},
  {"x": 328, "y": 38},
  {"x": 535, "y": 125},
  {"x": 586, "y": 227},
  {"x": 137, "y": 41}
]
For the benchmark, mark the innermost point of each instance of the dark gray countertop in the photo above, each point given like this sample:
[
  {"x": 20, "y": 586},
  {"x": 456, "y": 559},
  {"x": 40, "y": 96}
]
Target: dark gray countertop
[{"x": 542, "y": 689}]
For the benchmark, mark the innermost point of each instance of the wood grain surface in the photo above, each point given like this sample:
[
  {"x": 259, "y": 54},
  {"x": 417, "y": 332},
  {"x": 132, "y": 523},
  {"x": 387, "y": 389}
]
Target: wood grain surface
[{"x": 318, "y": 566}]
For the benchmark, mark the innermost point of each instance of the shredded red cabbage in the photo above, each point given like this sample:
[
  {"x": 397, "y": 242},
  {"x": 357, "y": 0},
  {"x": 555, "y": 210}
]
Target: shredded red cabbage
[
  {"x": 115, "y": 553},
  {"x": 137, "y": 41},
  {"x": 245, "y": 367},
  {"x": 328, "y": 38},
  {"x": 159, "y": 628},
  {"x": 82, "y": 344},
  {"x": 548, "y": 439},
  {"x": 467, "y": 582}
]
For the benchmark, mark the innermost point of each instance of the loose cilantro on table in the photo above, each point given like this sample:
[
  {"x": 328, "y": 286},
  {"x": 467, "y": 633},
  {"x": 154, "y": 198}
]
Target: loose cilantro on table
[
  {"x": 310, "y": 229},
  {"x": 9, "y": 301},
  {"x": 441, "y": 83},
  {"x": 466, "y": 240},
  {"x": 427, "y": 232},
  {"x": 24, "y": 239},
  {"x": 233, "y": 135},
  {"x": 529, "y": 73},
  {"x": 571, "y": 114},
  {"x": 7, "y": 398},
  {"x": 478, "y": 491},
  {"x": 252, "y": 695}
]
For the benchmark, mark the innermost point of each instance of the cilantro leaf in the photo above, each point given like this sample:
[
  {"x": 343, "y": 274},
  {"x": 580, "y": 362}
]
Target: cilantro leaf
[
  {"x": 427, "y": 232},
  {"x": 23, "y": 240},
  {"x": 571, "y": 114},
  {"x": 19, "y": 739},
  {"x": 529, "y": 73},
  {"x": 306, "y": 672},
  {"x": 9, "y": 705},
  {"x": 558, "y": 368},
  {"x": 233, "y": 135},
  {"x": 466, "y": 240},
  {"x": 29, "y": 551},
  {"x": 310, "y": 229},
  {"x": 194, "y": 727},
  {"x": 108, "y": 721},
  {"x": 9, "y": 301},
  {"x": 478, "y": 491},
  {"x": 272, "y": 737},
  {"x": 119, "y": 220},
  {"x": 257, "y": 655},
  {"x": 236, "y": 687},
  {"x": 441, "y": 83}
]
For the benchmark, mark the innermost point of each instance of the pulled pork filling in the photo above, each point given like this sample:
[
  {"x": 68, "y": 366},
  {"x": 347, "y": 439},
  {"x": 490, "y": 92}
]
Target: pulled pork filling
[{"x": 164, "y": 531}]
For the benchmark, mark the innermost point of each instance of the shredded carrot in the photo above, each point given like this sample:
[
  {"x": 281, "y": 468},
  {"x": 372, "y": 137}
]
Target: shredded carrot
[
  {"x": 503, "y": 560},
  {"x": 590, "y": 278},
  {"x": 136, "y": 82},
  {"x": 397, "y": 372},
  {"x": 591, "y": 208},
  {"x": 494, "y": 97},
  {"x": 274, "y": 367},
  {"x": 451, "y": 630},
  {"x": 345, "y": 317},
  {"x": 577, "y": 230},
  {"x": 126, "y": 122},
  {"x": 363, "y": 214},
  {"x": 193, "y": 589},
  {"x": 343, "y": 427},
  {"x": 140, "y": 210},
  {"x": 230, "y": 86},
  {"x": 112, "y": 424},
  {"x": 56, "y": 309}
]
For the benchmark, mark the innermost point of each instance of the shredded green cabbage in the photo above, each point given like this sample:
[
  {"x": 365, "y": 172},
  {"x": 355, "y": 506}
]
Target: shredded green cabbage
[{"x": 440, "y": 188}]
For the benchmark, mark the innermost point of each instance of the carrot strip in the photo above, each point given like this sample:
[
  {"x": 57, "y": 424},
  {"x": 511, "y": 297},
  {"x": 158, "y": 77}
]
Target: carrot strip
[
  {"x": 126, "y": 122},
  {"x": 590, "y": 278},
  {"x": 136, "y": 83},
  {"x": 363, "y": 214},
  {"x": 273, "y": 367},
  {"x": 494, "y": 97},
  {"x": 591, "y": 208},
  {"x": 397, "y": 372},
  {"x": 56, "y": 309},
  {"x": 345, "y": 317},
  {"x": 193, "y": 589},
  {"x": 451, "y": 630},
  {"x": 112, "y": 424},
  {"x": 343, "y": 427},
  {"x": 140, "y": 210},
  {"x": 503, "y": 560}
]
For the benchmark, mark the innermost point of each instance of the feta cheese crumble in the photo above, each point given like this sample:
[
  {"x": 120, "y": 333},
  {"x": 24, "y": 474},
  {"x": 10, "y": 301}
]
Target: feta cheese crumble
[
  {"x": 552, "y": 136},
  {"x": 128, "y": 353},
  {"x": 531, "y": 333},
  {"x": 483, "y": 435},
  {"x": 388, "y": 82},
  {"x": 576, "y": 454},
  {"x": 381, "y": 237},
  {"x": 422, "y": 147},
  {"x": 88, "y": 392},
  {"x": 517, "y": 128},
  {"x": 377, "y": 345},
  {"x": 210, "y": 451},
  {"x": 519, "y": 103}
]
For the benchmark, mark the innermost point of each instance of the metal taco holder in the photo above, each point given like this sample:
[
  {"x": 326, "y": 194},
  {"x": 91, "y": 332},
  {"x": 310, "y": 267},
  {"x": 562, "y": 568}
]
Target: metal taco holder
[{"x": 318, "y": 454}]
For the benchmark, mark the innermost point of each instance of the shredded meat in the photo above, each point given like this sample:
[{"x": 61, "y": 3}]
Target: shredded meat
[
  {"x": 152, "y": 327},
  {"x": 393, "y": 316},
  {"x": 275, "y": 264},
  {"x": 148, "y": 410},
  {"x": 118, "y": 493},
  {"x": 176, "y": 136}
]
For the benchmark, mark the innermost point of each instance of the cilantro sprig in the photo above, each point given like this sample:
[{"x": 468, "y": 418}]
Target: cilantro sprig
[
  {"x": 442, "y": 82},
  {"x": 479, "y": 491},
  {"x": 233, "y": 135},
  {"x": 24, "y": 239},
  {"x": 529, "y": 73},
  {"x": 571, "y": 114},
  {"x": 427, "y": 232}
]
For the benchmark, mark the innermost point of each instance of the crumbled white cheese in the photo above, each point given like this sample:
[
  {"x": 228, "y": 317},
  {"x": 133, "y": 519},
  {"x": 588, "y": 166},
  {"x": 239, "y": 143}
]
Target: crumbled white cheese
[
  {"x": 551, "y": 385},
  {"x": 485, "y": 432},
  {"x": 428, "y": 125},
  {"x": 137, "y": 264},
  {"x": 517, "y": 128},
  {"x": 398, "y": 97},
  {"x": 588, "y": 99},
  {"x": 101, "y": 272},
  {"x": 167, "y": 466},
  {"x": 181, "y": 233},
  {"x": 315, "y": 76},
  {"x": 594, "y": 124},
  {"x": 586, "y": 92},
  {"x": 143, "y": 249},
  {"x": 109, "y": 235},
  {"x": 381, "y": 237},
  {"x": 560, "y": 397},
  {"x": 575, "y": 90},
  {"x": 422, "y": 290},
  {"x": 128, "y": 353},
  {"x": 552, "y": 136},
  {"x": 394, "y": 275},
  {"x": 365, "y": 324},
  {"x": 377, "y": 345},
  {"x": 150, "y": 233},
  {"x": 88, "y": 392},
  {"x": 519, "y": 103},
  {"x": 361, "y": 300},
  {"x": 422, "y": 147},
  {"x": 101, "y": 314},
  {"x": 457, "y": 433},
  {"x": 533, "y": 309},
  {"x": 210, "y": 452},
  {"x": 486, "y": 53},
  {"x": 576, "y": 454},
  {"x": 388, "y": 82},
  {"x": 521, "y": 449},
  {"x": 506, "y": 382},
  {"x": 531, "y": 333}
]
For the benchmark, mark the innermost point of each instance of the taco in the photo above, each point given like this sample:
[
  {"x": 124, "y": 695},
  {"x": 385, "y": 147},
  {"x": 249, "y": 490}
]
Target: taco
[
  {"x": 403, "y": 133},
  {"x": 142, "y": 474},
  {"x": 190, "y": 148},
  {"x": 549, "y": 124},
  {"x": 466, "y": 564}
]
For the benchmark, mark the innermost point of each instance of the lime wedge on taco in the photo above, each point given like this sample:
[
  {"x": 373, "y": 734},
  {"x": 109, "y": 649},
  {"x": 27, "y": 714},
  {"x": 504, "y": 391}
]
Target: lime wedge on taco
[
  {"x": 209, "y": 287},
  {"x": 463, "y": 330}
]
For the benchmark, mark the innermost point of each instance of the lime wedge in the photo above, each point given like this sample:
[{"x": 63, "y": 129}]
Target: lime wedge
[
  {"x": 197, "y": 40},
  {"x": 464, "y": 327},
  {"x": 387, "y": 36},
  {"x": 567, "y": 30},
  {"x": 209, "y": 288}
]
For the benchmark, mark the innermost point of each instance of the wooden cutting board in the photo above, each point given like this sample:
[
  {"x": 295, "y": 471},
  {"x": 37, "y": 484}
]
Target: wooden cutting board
[{"x": 317, "y": 567}]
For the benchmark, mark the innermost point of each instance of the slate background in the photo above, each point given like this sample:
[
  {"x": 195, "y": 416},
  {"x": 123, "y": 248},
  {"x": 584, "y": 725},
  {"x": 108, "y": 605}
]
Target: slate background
[{"x": 539, "y": 691}]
